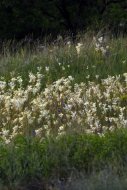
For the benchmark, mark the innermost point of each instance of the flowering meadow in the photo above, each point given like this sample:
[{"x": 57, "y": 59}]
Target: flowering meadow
[
  {"x": 62, "y": 106},
  {"x": 53, "y": 94}
]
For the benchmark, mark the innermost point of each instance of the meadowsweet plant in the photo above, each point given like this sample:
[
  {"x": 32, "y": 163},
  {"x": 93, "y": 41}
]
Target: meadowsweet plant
[
  {"x": 62, "y": 106},
  {"x": 78, "y": 48},
  {"x": 101, "y": 46}
]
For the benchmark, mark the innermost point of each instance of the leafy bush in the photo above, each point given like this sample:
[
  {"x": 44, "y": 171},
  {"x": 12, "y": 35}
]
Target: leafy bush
[{"x": 28, "y": 158}]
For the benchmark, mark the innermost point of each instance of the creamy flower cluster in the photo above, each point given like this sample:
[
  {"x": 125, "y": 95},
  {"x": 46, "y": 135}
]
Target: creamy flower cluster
[
  {"x": 62, "y": 106},
  {"x": 101, "y": 46}
]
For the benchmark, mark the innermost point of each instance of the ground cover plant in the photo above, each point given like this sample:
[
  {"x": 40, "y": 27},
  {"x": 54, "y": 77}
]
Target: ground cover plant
[
  {"x": 63, "y": 113},
  {"x": 75, "y": 161}
]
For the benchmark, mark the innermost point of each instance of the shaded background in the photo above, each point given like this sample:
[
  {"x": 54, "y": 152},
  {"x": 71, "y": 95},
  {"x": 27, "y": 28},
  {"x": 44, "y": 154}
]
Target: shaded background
[{"x": 37, "y": 18}]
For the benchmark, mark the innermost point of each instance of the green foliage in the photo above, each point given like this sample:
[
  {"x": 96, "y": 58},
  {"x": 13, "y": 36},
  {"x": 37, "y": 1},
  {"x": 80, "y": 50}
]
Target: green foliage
[{"x": 28, "y": 158}]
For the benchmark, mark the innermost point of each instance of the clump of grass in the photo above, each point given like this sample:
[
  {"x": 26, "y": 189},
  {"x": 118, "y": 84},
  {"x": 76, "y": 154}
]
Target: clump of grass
[{"x": 62, "y": 59}]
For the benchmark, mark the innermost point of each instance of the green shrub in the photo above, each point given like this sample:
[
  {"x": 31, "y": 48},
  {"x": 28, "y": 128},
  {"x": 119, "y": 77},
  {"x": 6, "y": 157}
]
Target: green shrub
[{"x": 28, "y": 158}]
